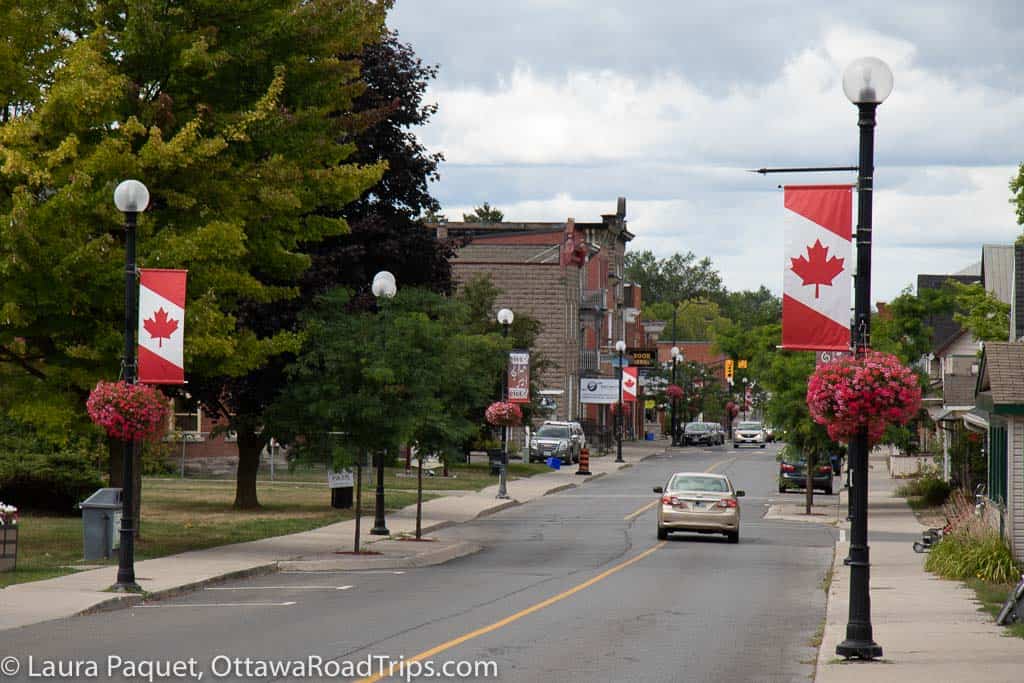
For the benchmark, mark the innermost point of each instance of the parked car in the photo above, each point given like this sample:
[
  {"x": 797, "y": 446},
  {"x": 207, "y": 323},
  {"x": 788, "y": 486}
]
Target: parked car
[
  {"x": 575, "y": 430},
  {"x": 748, "y": 433},
  {"x": 719, "y": 433},
  {"x": 769, "y": 434},
  {"x": 700, "y": 502},
  {"x": 554, "y": 440},
  {"x": 793, "y": 474},
  {"x": 697, "y": 434}
]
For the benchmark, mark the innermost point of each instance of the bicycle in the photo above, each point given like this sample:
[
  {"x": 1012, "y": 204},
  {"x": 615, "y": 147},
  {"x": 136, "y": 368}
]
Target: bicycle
[{"x": 1013, "y": 608}]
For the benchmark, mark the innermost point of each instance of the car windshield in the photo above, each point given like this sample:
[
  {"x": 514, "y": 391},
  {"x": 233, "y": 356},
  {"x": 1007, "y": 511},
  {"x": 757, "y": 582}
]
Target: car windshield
[
  {"x": 553, "y": 432},
  {"x": 696, "y": 482},
  {"x": 696, "y": 427},
  {"x": 749, "y": 425}
]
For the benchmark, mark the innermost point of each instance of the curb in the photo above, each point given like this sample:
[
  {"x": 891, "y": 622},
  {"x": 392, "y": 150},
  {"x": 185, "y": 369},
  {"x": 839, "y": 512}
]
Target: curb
[
  {"x": 425, "y": 559},
  {"x": 132, "y": 599}
]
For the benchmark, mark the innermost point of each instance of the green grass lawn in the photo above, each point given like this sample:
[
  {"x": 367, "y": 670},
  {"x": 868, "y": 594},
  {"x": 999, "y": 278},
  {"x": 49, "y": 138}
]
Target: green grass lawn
[
  {"x": 180, "y": 515},
  {"x": 992, "y": 596},
  {"x": 462, "y": 477}
]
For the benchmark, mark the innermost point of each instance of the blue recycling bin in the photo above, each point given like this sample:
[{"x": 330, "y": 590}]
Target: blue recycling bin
[
  {"x": 554, "y": 463},
  {"x": 649, "y": 436}
]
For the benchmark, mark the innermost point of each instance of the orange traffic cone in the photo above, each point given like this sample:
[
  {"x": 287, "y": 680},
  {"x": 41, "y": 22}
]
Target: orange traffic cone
[{"x": 584, "y": 462}]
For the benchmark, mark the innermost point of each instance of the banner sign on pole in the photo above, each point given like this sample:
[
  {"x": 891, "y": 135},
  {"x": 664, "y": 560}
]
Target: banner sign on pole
[
  {"x": 629, "y": 384},
  {"x": 601, "y": 390},
  {"x": 161, "y": 347},
  {"x": 519, "y": 376},
  {"x": 818, "y": 267}
]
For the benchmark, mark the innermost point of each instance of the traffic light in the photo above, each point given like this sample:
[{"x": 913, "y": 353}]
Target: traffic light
[{"x": 730, "y": 369}]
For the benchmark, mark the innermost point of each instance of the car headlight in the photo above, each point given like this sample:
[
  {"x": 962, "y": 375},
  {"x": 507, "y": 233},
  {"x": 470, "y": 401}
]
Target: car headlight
[{"x": 562, "y": 446}]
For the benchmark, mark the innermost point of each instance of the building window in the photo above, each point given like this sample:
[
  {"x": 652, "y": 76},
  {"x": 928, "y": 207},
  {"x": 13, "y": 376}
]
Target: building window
[{"x": 187, "y": 418}]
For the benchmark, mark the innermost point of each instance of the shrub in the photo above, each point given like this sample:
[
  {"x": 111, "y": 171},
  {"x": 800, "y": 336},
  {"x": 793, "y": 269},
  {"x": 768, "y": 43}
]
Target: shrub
[
  {"x": 53, "y": 482},
  {"x": 929, "y": 487},
  {"x": 972, "y": 553}
]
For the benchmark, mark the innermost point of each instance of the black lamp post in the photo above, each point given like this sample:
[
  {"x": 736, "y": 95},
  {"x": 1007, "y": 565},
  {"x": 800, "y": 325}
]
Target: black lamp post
[
  {"x": 505, "y": 318},
  {"x": 384, "y": 287},
  {"x": 130, "y": 197},
  {"x": 675, "y": 401},
  {"x": 866, "y": 82},
  {"x": 620, "y": 348}
]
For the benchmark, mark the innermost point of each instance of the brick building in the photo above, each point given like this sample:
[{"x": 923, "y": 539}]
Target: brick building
[{"x": 570, "y": 277}]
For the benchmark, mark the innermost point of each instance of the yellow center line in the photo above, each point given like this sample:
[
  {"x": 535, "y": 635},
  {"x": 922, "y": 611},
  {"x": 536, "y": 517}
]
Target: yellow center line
[
  {"x": 648, "y": 506},
  {"x": 427, "y": 654}
]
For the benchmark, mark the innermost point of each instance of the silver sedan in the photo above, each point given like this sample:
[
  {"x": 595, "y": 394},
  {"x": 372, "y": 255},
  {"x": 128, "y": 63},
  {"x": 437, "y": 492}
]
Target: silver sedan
[{"x": 701, "y": 502}]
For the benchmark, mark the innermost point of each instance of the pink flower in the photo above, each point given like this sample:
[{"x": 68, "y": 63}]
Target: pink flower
[
  {"x": 128, "y": 412},
  {"x": 502, "y": 413},
  {"x": 871, "y": 392}
]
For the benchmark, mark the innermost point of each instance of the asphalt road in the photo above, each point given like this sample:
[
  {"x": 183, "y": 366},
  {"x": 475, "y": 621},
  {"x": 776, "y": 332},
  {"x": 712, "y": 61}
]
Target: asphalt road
[{"x": 571, "y": 587}]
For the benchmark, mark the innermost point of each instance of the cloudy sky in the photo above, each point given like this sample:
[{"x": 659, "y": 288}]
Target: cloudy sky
[{"x": 553, "y": 108}]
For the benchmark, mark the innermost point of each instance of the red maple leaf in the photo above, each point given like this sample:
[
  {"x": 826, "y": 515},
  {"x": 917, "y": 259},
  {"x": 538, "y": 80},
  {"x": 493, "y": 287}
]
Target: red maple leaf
[
  {"x": 160, "y": 327},
  {"x": 817, "y": 269},
  {"x": 629, "y": 383}
]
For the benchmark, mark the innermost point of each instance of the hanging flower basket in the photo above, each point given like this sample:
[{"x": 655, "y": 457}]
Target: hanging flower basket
[
  {"x": 503, "y": 414},
  {"x": 873, "y": 392},
  {"x": 732, "y": 409},
  {"x": 674, "y": 391},
  {"x": 128, "y": 411}
]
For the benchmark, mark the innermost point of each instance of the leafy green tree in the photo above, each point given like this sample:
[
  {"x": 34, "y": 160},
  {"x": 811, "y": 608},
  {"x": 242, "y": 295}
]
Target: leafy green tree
[
  {"x": 903, "y": 328},
  {"x": 384, "y": 235},
  {"x": 680, "y": 277},
  {"x": 484, "y": 214},
  {"x": 752, "y": 308},
  {"x": 231, "y": 120},
  {"x": 695, "y": 319},
  {"x": 386, "y": 379},
  {"x": 980, "y": 312},
  {"x": 1017, "y": 190}
]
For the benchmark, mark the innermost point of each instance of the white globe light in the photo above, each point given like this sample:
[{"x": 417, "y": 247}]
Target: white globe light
[
  {"x": 131, "y": 196},
  {"x": 867, "y": 80},
  {"x": 505, "y": 316},
  {"x": 384, "y": 275},
  {"x": 620, "y": 346},
  {"x": 675, "y": 351},
  {"x": 383, "y": 287}
]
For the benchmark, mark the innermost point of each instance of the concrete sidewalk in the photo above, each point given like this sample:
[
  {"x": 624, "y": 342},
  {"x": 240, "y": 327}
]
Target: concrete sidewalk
[
  {"x": 929, "y": 629},
  {"x": 86, "y": 591}
]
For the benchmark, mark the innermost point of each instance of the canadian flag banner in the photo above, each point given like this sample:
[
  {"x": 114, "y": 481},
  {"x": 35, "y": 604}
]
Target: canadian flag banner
[
  {"x": 629, "y": 384},
  {"x": 817, "y": 279},
  {"x": 161, "y": 326}
]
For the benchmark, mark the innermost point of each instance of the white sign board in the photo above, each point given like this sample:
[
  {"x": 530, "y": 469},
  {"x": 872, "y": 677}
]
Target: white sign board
[
  {"x": 116, "y": 540},
  {"x": 341, "y": 479},
  {"x": 599, "y": 390}
]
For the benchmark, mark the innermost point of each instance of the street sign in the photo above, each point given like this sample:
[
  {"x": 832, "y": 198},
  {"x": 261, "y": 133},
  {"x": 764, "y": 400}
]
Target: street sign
[
  {"x": 340, "y": 479},
  {"x": 829, "y": 356}
]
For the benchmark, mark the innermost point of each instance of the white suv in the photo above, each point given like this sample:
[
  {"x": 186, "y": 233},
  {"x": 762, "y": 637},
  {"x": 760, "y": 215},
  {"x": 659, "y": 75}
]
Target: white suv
[
  {"x": 575, "y": 432},
  {"x": 748, "y": 433}
]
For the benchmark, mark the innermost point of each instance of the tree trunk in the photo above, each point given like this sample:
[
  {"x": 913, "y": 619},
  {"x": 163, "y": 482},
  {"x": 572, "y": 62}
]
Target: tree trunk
[{"x": 249, "y": 446}]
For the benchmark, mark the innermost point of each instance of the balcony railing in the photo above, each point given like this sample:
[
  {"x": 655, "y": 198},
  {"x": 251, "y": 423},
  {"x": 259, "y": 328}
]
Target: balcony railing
[
  {"x": 590, "y": 361},
  {"x": 594, "y": 300}
]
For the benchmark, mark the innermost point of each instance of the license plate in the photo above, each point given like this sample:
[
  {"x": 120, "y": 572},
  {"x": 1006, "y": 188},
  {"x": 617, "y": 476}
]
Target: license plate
[{"x": 698, "y": 504}]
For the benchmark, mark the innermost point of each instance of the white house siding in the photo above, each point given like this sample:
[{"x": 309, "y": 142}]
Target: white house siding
[{"x": 1015, "y": 487}]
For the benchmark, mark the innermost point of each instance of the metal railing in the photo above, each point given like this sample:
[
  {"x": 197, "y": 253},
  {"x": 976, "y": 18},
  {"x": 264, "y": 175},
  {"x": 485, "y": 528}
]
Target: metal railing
[{"x": 594, "y": 299}]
